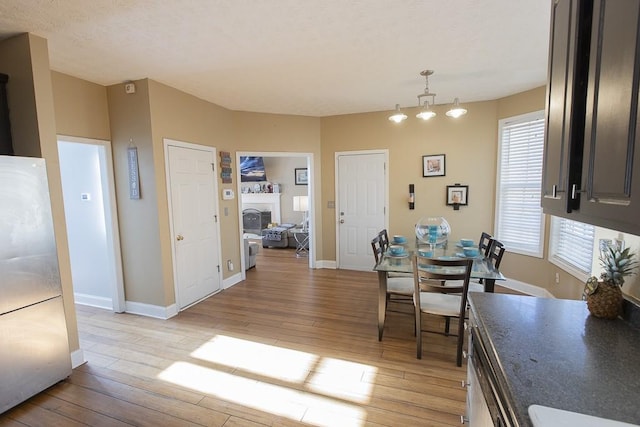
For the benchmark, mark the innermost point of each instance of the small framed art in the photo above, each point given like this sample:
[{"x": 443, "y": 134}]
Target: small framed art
[
  {"x": 433, "y": 165},
  {"x": 302, "y": 176},
  {"x": 457, "y": 195}
]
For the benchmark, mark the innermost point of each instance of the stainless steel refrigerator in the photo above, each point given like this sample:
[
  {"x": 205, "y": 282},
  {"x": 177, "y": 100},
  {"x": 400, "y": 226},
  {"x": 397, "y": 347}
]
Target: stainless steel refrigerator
[{"x": 34, "y": 349}]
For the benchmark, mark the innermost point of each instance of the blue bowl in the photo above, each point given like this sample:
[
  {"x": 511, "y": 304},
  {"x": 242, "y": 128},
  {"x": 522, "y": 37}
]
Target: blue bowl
[
  {"x": 470, "y": 252},
  {"x": 399, "y": 239},
  {"x": 467, "y": 243},
  {"x": 396, "y": 250}
]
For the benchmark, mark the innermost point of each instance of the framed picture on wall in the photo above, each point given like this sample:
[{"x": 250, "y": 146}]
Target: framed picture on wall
[
  {"x": 457, "y": 195},
  {"x": 302, "y": 176},
  {"x": 433, "y": 165}
]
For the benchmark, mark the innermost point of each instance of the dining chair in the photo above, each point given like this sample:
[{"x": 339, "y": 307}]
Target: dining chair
[
  {"x": 429, "y": 299},
  {"x": 484, "y": 248},
  {"x": 494, "y": 255},
  {"x": 484, "y": 243},
  {"x": 399, "y": 289},
  {"x": 384, "y": 241}
]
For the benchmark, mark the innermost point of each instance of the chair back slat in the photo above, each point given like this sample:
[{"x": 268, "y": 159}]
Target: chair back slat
[
  {"x": 377, "y": 248},
  {"x": 484, "y": 244},
  {"x": 495, "y": 253},
  {"x": 384, "y": 239},
  {"x": 430, "y": 275}
]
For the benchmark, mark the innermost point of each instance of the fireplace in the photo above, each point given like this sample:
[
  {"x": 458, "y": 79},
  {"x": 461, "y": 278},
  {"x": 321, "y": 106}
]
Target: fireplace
[
  {"x": 254, "y": 220},
  {"x": 263, "y": 202}
]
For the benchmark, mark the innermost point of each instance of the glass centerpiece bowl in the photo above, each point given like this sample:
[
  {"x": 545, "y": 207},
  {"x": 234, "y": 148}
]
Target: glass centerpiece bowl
[{"x": 433, "y": 231}]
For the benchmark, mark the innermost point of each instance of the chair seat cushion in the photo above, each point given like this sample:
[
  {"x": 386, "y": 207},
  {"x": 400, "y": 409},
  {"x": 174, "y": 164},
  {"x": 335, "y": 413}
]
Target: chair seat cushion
[
  {"x": 473, "y": 285},
  {"x": 440, "y": 304},
  {"x": 476, "y": 287},
  {"x": 396, "y": 274},
  {"x": 400, "y": 286}
]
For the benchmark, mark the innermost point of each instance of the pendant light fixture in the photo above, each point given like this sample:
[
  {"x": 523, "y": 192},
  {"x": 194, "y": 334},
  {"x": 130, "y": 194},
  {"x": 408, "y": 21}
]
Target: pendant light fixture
[
  {"x": 398, "y": 116},
  {"x": 456, "y": 110},
  {"x": 426, "y": 112}
]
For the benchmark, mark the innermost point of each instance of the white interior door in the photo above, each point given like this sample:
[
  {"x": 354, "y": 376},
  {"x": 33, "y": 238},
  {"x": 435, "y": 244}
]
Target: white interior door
[
  {"x": 195, "y": 233},
  {"x": 361, "y": 185}
]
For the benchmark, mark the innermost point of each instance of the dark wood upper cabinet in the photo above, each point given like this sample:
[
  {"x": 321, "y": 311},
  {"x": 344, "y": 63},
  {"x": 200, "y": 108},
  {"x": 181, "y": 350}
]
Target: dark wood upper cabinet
[
  {"x": 592, "y": 114},
  {"x": 565, "y": 103},
  {"x": 6, "y": 145},
  {"x": 611, "y": 191}
]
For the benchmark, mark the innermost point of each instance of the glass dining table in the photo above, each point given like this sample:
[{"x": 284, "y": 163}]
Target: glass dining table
[{"x": 482, "y": 268}]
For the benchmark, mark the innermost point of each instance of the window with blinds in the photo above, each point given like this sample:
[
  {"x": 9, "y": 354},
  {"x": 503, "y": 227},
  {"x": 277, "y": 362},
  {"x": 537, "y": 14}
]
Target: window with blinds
[
  {"x": 519, "y": 218},
  {"x": 571, "y": 246}
]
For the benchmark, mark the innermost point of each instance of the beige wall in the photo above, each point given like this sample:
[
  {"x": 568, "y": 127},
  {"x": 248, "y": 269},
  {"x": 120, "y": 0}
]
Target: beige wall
[
  {"x": 469, "y": 145},
  {"x": 26, "y": 59},
  {"x": 145, "y": 118},
  {"x": 81, "y": 107},
  {"x": 182, "y": 117},
  {"x": 140, "y": 238},
  {"x": 256, "y": 132},
  {"x": 281, "y": 170}
]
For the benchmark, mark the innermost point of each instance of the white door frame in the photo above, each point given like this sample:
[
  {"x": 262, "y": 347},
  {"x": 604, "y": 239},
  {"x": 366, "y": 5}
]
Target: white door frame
[
  {"x": 337, "y": 191},
  {"x": 310, "y": 192},
  {"x": 167, "y": 142},
  {"x": 111, "y": 217}
]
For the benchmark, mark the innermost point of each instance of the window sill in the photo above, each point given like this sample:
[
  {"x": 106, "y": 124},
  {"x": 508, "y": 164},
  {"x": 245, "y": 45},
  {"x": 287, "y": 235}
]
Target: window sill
[{"x": 578, "y": 274}]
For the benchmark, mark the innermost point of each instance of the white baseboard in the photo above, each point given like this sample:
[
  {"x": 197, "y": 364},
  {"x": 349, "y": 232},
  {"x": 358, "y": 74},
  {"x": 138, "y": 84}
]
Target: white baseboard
[
  {"x": 230, "y": 281},
  {"x": 77, "y": 358},
  {"x": 331, "y": 265},
  {"x": 525, "y": 288},
  {"x": 93, "y": 301},
  {"x": 151, "y": 310}
]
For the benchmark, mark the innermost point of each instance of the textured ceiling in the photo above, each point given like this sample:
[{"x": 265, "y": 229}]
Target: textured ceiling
[{"x": 303, "y": 57}]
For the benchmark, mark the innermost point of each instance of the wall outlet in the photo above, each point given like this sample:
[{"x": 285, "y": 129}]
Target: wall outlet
[
  {"x": 557, "y": 278},
  {"x": 229, "y": 265}
]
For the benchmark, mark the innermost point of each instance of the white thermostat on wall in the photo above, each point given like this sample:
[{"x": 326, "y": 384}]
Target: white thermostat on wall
[{"x": 227, "y": 194}]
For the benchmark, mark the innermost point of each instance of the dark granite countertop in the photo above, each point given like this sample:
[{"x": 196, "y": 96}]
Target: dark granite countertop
[{"x": 551, "y": 352}]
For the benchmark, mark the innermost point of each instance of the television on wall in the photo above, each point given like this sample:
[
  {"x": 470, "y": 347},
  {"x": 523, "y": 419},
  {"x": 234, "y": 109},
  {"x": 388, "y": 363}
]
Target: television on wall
[{"x": 252, "y": 169}]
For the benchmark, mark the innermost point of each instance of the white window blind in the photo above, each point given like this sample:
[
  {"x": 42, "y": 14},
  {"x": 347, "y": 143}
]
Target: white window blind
[
  {"x": 572, "y": 246},
  {"x": 519, "y": 218}
]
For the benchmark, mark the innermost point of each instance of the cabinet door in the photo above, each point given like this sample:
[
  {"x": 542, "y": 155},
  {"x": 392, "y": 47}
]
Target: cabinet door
[
  {"x": 6, "y": 146},
  {"x": 568, "y": 58},
  {"x": 611, "y": 190}
]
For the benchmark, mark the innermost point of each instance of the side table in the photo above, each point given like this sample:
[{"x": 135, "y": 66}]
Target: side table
[{"x": 302, "y": 242}]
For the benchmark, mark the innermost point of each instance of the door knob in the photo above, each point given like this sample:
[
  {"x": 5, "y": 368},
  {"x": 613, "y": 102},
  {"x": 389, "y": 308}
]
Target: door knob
[
  {"x": 180, "y": 237},
  {"x": 342, "y": 221}
]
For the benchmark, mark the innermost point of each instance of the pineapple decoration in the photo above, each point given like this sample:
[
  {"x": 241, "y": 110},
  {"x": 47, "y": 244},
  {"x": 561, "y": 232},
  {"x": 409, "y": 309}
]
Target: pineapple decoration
[{"x": 604, "y": 296}]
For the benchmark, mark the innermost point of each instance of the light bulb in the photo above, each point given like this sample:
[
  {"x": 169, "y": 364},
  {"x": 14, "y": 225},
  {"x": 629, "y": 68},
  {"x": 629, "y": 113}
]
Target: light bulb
[
  {"x": 456, "y": 110},
  {"x": 398, "y": 115},
  {"x": 426, "y": 112}
]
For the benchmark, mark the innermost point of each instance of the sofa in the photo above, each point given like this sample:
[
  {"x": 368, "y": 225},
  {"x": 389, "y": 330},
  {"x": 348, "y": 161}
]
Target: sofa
[
  {"x": 278, "y": 237},
  {"x": 250, "y": 253}
]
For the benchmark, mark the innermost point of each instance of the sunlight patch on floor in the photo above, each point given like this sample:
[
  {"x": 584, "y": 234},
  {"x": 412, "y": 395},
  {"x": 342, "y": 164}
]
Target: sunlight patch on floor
[
  {"x": 342, "y": 379},
  {"x": 274, "y": 399},
  {"x": 268, "y": 360}
]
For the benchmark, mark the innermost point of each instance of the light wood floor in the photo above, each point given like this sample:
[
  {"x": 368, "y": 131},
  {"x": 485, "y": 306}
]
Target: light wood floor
[{"x": 289, "y": 346}]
